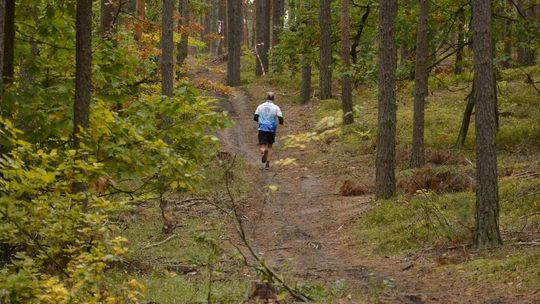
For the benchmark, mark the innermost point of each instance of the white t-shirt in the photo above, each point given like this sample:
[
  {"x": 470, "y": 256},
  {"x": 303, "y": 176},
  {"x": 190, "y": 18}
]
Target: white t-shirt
[{"x": 268, "y": 116}]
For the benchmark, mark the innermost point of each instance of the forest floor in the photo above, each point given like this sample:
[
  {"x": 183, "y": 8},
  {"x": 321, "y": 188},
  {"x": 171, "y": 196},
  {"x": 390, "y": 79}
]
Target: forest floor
[
  {"x": 304, "y": 228},
  {"x": 298, "y": 221}
]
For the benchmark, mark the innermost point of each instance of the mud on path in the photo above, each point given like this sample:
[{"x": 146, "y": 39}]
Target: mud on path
[{"x": 303, "y": 228}]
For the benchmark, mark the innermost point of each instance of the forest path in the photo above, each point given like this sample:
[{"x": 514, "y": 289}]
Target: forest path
[{"x": 303, "y": 229}]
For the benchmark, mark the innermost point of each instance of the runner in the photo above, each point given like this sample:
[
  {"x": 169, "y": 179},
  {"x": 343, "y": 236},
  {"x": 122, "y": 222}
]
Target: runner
[{"x": 267, "y": 115}]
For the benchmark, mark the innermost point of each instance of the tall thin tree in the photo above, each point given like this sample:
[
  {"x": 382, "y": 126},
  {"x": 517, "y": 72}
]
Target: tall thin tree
[
  {"x": 385, "y": 179},
  {"x": 325, "y": 75},
  {"x": 420, "y": 86},
  {"x": 346, "y": 88},
  {"x": 234, "y": 33},
  {"x": 106, "y": 22},
  {"x": 9, "y": 42},
  {"x": 262, "y": 8},
  {"x": 140, "y": 9},
  {"x": 83, "y": 70},
  {"x": 278, "y": 10},
  {"x": 183, "y": 27},
  {"x": 167, "y": 47},
  {"x": 2, "y": 22},
  {"x": 487, "y": 198}
]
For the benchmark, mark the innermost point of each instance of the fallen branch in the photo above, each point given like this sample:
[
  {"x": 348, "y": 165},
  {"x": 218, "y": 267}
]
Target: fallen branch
[{"x": 172, "y": 236}]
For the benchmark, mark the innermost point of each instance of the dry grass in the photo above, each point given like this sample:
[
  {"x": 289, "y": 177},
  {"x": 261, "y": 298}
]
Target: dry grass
[{"x": 438, "y": 180}]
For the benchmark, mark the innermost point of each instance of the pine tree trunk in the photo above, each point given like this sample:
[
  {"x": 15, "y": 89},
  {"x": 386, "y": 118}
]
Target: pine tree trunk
[
  {"x": 305, "y": 89},
  {"x": 465, "y": 122},
  {"x": 487, "y": 199},
  {"x": 106, "y": 22},
  {"x": 83, "y": 70},
  {"x": 183, "y": 24},
  {"x": 2, "y": 22},
  {"x": 9, "y": 42},
  {"x": 420, "y": 86},
  {"x": 346, "y": 88},
  {"x": 234, "y": 20},
  {"x": 325, "y": 76},
  {"x": 222, "y": 14},
  {"x": 141, "y": 12},
  {"x": 83, "y": 81},
  {"x": 385, "y": 180},
  {"x": 262, "y": 8},
  {"x": 278, "y": 10},
  {"x": 167, "y": 46},
  {"x": 458, "y": 66}
]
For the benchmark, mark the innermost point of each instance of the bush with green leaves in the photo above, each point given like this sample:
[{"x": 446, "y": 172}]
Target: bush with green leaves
[{"x": 55, "y": 245}]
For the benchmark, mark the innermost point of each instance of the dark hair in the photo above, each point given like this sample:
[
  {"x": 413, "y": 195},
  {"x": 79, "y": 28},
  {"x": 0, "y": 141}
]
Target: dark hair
[{"x": 270, "y": 95}]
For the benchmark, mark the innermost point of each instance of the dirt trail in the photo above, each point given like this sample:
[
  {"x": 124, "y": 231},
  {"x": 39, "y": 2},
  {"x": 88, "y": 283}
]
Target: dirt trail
[{"x": 301, "y": 229}]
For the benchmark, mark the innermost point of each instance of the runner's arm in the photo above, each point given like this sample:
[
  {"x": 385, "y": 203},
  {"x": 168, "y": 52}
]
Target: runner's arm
[
  {"x": 256, "y": 117},
  {"x": 280, "y": 116}
]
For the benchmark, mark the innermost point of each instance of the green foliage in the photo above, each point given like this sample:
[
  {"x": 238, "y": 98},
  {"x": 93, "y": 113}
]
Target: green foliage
[{"x": 53, "y": 250}]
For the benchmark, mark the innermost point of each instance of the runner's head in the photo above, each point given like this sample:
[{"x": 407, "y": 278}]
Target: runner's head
[{"x": 270, "y": 96}]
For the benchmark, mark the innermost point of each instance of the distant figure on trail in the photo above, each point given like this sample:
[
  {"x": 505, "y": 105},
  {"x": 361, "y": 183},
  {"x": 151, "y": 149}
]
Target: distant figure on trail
[{"x": 267, "y": 115}]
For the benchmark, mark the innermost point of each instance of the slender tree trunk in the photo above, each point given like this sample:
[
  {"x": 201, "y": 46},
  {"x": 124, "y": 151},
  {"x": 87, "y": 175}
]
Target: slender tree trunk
[
  {"x": 278, "y": 10},
  {"x": 139, "y": 25},
  {"x": 83, "y": 81},
  {"x": 356, "y": 42},
  {"x": 458, "y": 66},
  {"x": 325, "y": 76},
  {"x": 247, "y": 37},
  {"x": 263, "y": 36},
  {"x": 420, "y": 86},
  {"x": 525, "y": 52},
  {"x": 507, "y": 44},
  {"x": 385, "y": 180},
  {"x": 183, "y": 25},
  {"x": 346, "y": 88},
  {"x": 305, "y": 89},
  {"x": 9, "y": 42},
  {"x": 222, "y": 9},
  {"x": 253, "y": 25},
  {"x": 487, "y": 199},
  {"x": 234, "y": 20},
  {"x": 167, "y": 46},
  {"x": 83, "y": 70},
  {"x": 106, "y": 23},
  {"x": 2, "y": 22},
  {"x": 460, "y": 143}
]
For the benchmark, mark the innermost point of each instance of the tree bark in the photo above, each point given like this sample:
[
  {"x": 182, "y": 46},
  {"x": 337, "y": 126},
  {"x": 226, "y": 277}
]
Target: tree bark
[
  {"x": 487, "y": 199},
  {"x": 139, "y": 25},
  {"x": 2, "y": 22},
  {"x": 385, "y": 180},
  {"x": 305, "y": 89},
  {"x": 346, "y": 88},
  {"x": 420, "y": 86},
  {"x": 167, "y": 46},
  {"x": 465, "y": 122},
  {"x": 356, "y": 42},
  {"x": 234, "y": 20},
  {"x": 9, "y": 42},
  {"x": 183, "y": 25},
  {"x": 458, "y": 66},
  {"x": 83, "y": 70},
  {"x": 222, "y": 14},
  {"x": 278, "y": 10},
  {"x": 325, "y": 75},
  {"x": 262, "y": 8},
  {"x": 106, "y": 22},
  {"x": 83, "y": 81}
]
